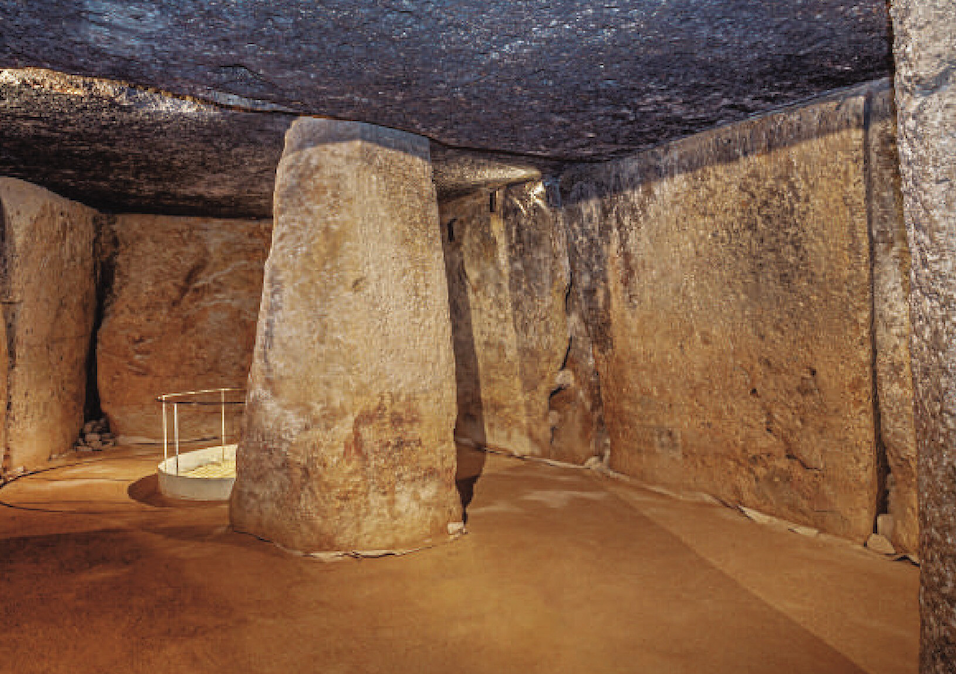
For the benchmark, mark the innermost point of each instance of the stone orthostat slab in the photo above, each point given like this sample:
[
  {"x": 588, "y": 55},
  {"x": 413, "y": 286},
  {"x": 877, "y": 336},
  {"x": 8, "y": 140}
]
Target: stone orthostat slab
[
  {"x": 48, "y": 295},
  {"x": 926, "y": 101},
  {"x": 348, "y": 442},
  {"x": 727, "y": 285}
]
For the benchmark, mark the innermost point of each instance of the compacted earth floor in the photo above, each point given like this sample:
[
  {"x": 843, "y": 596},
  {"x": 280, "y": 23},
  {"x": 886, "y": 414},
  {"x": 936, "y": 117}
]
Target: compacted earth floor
[{"x": 562, "y": 570}]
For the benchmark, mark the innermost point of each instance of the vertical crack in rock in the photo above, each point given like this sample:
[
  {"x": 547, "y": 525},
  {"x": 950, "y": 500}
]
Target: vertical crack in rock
[
  {"x": 881, "y": 463},
  {"x": 577, "y": 373},
  {"x": 525, "y": 372},
  {"x": 7, "y": 321},
  {"x": 105, "y": 247}
]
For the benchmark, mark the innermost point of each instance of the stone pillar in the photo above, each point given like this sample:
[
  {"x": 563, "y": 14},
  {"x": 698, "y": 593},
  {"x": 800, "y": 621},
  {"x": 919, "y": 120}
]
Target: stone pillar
[
  {"x": 348, "y": 435},
  {"x": 926, "y": 102}
]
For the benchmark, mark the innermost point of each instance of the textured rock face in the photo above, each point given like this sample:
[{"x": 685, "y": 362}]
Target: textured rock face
[
  {"x": 891, "y": 323},
  {"x": 560, "y": 78},
  {"x": 926, "y": 101},
  {"x": 728, "y": 291},
  {"x": 48, "y": 291},
  {"x": 180, "y": 315},
  {"x": 491, "y": 410},
  {"x": 131, "y": 150},
  {"x": 347, "y": 442},
  {"x": 521, "y": 384}
]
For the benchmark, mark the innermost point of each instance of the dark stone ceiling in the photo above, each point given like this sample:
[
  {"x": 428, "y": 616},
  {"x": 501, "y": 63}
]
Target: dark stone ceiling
[
  {"x": 125, "y": 149},
  {"x": 533, "y": 82}
]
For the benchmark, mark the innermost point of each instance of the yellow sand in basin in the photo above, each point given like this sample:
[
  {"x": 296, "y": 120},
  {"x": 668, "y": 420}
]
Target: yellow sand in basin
[{"x": 214, "y": 470}]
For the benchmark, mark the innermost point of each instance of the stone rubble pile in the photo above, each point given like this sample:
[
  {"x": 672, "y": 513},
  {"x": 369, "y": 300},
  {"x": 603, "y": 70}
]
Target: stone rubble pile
[{"x": 94, "y": 437}]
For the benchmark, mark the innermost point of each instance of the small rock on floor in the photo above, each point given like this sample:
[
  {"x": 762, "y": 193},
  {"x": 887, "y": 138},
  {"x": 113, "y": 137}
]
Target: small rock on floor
[{"x": 880, "y": 544}]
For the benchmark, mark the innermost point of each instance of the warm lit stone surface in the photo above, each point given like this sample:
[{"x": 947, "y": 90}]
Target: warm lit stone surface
[
  {"x": 47, "y": 289},
  {"x": 727, "y": 282},
  {"x": 491, "y": 409},
  {"x": 747, "y": 259},
  {"x": 520, "y": 384},
  {"x": 891, "y": 324},
  {"x": 180, "y": 315},
  {"x": 351, "y": 405},
  {"x": 555, "y": 369},
  {"x": 926, "y": 99}
]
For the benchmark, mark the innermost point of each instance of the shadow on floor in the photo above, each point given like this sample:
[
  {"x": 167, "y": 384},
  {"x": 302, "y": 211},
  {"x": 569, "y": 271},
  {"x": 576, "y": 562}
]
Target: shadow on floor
[
  {"x": 471, "y": 462},
  {"x": 146, "y": 491}
]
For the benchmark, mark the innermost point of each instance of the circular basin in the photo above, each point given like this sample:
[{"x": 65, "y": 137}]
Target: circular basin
[{"x": 203, "y": 475}]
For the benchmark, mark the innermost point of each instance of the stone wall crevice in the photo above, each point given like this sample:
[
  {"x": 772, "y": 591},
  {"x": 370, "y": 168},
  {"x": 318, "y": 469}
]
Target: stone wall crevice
[
  {"x": 891, "y": 328},
  {"x": 7, "y": 347},
  {"x": 880, "y": 461}
]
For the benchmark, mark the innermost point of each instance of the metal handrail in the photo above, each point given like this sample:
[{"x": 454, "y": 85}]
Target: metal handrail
[{"x": 169, "y": 398}]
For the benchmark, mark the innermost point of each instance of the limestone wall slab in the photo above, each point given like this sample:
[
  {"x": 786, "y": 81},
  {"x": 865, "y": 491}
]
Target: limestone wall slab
[
  {"x": 48, "y": 295},
  {"x": 525, "y": 380},
  {"x": 180, "y": 315},
  {"x": 727, "y": 283}
]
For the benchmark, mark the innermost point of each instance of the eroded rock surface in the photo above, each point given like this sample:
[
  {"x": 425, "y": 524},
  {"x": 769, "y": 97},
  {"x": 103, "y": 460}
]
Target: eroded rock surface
[
  {"x": 727, "y": 284},
  {"x": 926, "y": 100},
  {"x": 891, "y": 323},
  {"x": 180, "y": 315},
  {"x": 518, "y": 347},
  {"x": 348, "y": 438},
  {"x": 48, "y": 294}
]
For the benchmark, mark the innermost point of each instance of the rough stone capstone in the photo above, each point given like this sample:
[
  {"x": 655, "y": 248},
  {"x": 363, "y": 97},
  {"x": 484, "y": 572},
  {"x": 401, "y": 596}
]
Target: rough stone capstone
[
  {"x": 126, "y": 149},
  {"x": 180, "y": 315},
  {"x": 348, "y": 433},
  {"x": 727, "y": 287},
  {"x": 48, "y": 294},
  {"x": 561, "y": 78},
  {"x": 926, "y": 104}
]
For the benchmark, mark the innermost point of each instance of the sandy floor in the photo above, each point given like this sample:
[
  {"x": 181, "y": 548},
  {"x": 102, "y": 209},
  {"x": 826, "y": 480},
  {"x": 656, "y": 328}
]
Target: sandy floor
[{"x": 562, "y": 571}]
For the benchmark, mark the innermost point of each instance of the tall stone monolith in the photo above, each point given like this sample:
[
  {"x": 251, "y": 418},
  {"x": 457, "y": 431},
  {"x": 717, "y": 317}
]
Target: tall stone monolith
[
  {"x": 926, "y": 101},
  {"x": 348, "y": 435}
]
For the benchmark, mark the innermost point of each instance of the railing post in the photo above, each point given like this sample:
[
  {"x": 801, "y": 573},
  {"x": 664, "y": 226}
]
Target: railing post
[
  {"x": 222, "y": 434},
  {"x": 165, "y": 433},
  {"x": 176, "y": 433}
]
